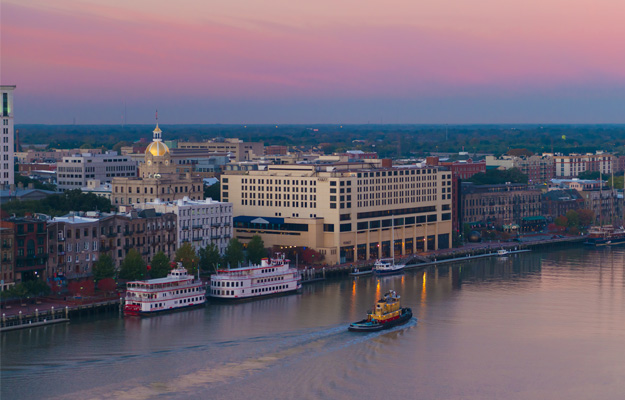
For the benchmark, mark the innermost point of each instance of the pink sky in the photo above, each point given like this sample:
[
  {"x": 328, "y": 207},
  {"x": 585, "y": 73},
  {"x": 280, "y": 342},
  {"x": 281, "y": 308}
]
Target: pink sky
[{"x": 284, "y": 61}]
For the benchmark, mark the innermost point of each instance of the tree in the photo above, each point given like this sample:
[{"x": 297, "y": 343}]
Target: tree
[
  {"x": 37, "y": 287},
  {"x": 520, "y": 152},
  {"x": 586, "y": 217},
  {"x": 213, "y": 191},
  {"x": 561, "y": 221},
  {"x": 103, "y": 268},
  {"x": 160, "y": 265},
  {"x": 234, "y": 253},
  {"x": 186, "y": 255},
  {"x": 209, "y": 257},
  {"x": 589, "y": 175},
  {"x": 573, "y": 219},
  {"x": 256, "y": 250},
  {"x": 133, "y": 267}
]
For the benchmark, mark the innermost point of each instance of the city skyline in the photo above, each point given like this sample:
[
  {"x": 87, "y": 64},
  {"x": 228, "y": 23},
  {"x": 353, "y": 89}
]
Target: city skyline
[{"x": 246, "y": 62}]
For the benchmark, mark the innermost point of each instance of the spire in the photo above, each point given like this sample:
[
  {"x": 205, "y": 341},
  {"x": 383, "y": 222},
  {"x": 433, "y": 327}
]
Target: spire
[{"x": 157, "y": 131}]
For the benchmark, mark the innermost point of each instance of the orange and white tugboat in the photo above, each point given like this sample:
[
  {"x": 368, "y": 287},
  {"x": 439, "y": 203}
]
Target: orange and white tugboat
[
  {"x": 178, "y": 290},
  {"x": 272, "y": 277},
  {"x": 387, "y": 313}
]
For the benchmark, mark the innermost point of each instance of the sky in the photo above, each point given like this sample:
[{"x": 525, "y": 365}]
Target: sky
[{"x": 322, "y": 61}]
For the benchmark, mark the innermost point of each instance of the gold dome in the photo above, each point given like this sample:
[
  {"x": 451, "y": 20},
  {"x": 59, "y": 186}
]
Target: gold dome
[{"x": 157, "y": 149}]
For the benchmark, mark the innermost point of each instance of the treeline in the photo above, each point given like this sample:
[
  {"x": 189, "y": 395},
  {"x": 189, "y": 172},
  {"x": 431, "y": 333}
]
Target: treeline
[
  {"x": 58, "y": 204},
  {"x": 388, "y": 140}
]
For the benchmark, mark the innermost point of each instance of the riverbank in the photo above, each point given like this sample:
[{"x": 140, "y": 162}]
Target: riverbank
[{"x": 54, "y": 310}]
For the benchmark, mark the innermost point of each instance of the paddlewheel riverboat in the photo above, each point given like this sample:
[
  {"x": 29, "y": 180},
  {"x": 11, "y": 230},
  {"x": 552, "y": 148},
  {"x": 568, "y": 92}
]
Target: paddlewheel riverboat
[
  {"x": 386, "y": 314},
  {"x": 178, "y": 290},
  {"x": 273, "y": 276}
]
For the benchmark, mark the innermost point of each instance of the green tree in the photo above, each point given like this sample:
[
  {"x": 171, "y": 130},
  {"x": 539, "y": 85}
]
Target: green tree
[
  {"x": 213, "y": 191},
  {"x": 159, "y": 267},
  {"x": 573, "y": 219},
  {"x": 209, "y": 257},
  {"x": 103, "y": 268},
  {"x": 589, "y": 175},
  {"x": 256, "y": 250},
  {"x": 186, "y": 255},
  {"x": 234, "y": 253},
  {"x": 133, "y": 267},
  {"x": 37, "y": 287}
]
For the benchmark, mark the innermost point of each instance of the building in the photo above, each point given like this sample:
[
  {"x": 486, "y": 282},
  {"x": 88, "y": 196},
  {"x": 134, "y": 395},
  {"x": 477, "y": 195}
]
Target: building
[
  {"x": 572, "y": 165},
  {"x": 73, "y": 245},
  {"x": 200, "y": 222},
  {"x": 21, "y": 193},
  {"x": 240, "y": 150},
  {"x": 50, "y": 156},
  {"x": 345, "y": 211},
  {"x": 73, "y": 172},
  {"x": 461, "y": 169},
  {"x": 7, "y": 266},
  {"x": 606, "y": 204},
  {"x": 539, "y": 169},
  {"x": 158, "y": 178},
  {"x": 7, "y": 174},
  {"x": 498, "y": 205},
  {"x": 99, "y": 189},
  {"x": 146, "y": 231},
  {"x": 29, "y": 248},
  {"x": 558, "y": 202}
]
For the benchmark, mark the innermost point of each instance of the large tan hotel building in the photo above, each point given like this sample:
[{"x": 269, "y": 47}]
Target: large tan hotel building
[{"x": 343, "y": 210}]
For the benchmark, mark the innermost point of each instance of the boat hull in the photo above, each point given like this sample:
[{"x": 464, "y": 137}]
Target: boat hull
[
  {"x": 363, "y": 326},
  {"x": 214, "y": 298},
  {"x": 605, "y": 242},
  {"x": 390, "y": 272},
  {"x": 129, "y": 312}
]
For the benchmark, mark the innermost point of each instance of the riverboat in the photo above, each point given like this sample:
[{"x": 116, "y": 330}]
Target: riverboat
[
  {"x": 178, "y": 290},
  {"x": 386, "y": 314},
  {"x": 605, "y": 236},
  {"x": 503, "y": 253},
  {"x": 272, "y": 277}
]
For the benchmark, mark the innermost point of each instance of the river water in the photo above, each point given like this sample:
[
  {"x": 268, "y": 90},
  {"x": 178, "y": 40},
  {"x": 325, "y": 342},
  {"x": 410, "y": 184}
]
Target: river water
[{"x": 541, "y": 325}]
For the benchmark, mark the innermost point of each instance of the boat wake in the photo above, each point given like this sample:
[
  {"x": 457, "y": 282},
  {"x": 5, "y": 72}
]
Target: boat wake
[{"x": 292, "y": 347}]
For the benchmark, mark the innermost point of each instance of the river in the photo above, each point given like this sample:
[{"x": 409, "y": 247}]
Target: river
[{"x": 540, "y": 325}]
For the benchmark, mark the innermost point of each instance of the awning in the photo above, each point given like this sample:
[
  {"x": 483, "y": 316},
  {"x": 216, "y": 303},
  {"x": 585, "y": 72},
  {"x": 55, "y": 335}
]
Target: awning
[{"x": 536, "y": 218}]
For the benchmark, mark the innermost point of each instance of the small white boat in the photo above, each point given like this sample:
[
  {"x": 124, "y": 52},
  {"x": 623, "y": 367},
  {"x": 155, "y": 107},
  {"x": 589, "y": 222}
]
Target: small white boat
[
  {"x": 387, "y": 266},
  {"x": 503, "y": 253}
]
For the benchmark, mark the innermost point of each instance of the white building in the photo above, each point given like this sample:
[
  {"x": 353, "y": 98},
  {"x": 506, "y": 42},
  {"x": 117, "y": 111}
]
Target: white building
[
  {"x": 572, "y": 165},
  {"x": 200, "y": 222},
  {"x": 7, "y": 137},
  {"x": 99, "y": 189},
  {"x": 74, "y": 172}
]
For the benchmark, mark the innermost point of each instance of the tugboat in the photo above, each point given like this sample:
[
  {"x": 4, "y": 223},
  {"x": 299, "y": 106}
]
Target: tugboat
[{"x": 386, "y": 314}]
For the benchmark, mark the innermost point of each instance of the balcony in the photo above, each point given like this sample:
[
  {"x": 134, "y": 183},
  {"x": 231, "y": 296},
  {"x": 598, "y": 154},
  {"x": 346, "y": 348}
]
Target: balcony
[
  {"x": 111, "y": 234},
  {"x": 128, "y": 233},
  {"x": 61, "y": 239},
  {"x": 197, "y": 239},
  {"x": 215, "y": 224},
  {"x": 185, "y": 228},
  {"x": 215, "y": 237},
  {"x": 198, "y": 226},
  {"x": 6, "y": 246}
]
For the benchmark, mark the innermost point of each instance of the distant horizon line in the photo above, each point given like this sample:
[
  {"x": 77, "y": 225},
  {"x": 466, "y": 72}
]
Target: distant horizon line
[{"x": 340, "y": 125}]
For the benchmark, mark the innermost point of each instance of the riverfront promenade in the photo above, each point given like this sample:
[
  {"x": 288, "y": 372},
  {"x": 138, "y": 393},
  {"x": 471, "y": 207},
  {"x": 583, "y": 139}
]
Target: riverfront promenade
[{"x": 49, "y": 309}]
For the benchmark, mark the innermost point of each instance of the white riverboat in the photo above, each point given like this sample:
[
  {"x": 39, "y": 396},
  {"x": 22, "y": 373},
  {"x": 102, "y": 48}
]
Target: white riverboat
[
  {"x": 273, "y": 276},
  {"x": 178, "y": 290}
]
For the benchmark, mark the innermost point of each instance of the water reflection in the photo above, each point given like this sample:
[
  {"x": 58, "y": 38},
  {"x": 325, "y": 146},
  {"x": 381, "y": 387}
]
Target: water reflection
[{"x": 476, "y": 319}]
